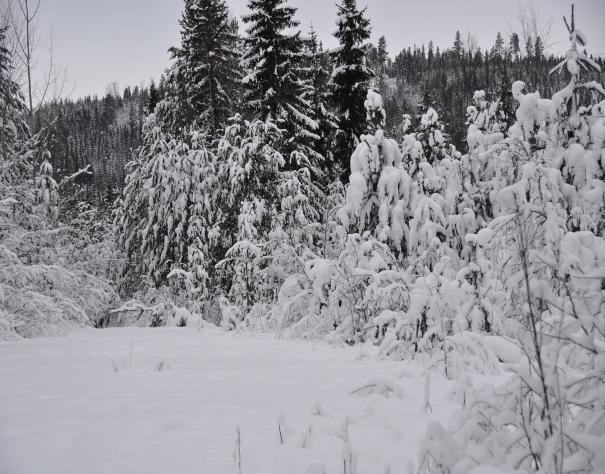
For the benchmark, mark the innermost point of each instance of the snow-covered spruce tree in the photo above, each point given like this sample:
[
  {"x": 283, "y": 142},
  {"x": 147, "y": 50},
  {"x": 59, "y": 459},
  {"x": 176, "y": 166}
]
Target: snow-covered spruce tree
[
  {"x": 487, "y": 122},
  {"x": 276, "y": 85},
  {"x": 379, "y": 191},
  {"x": 350, "y": 78},
  {"x": 250, "y": 169},
  {"x": 299, "y": 234},
  {"x": 376, "y": 115},
  {"x": 548, "y": 417},
  {"x": 481, "y": 170},
  {"x": 339, "y": 297},
  {"x": 204, "y": 79},
  {"x": 47, "y": 189},
  {"x": 430, "y": 132},
  {"x": 434, "y": 166},
  {"x": 12, "y": 107},
  {"x": 242, "y": 261},
  {"x": 249, "y": 172},
  {"x": 156, "y": 219}
]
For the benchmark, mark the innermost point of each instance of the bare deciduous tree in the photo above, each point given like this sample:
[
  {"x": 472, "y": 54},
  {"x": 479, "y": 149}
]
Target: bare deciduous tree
[
  {"x": 38, "y": 83},
  {"x": 531, "y": 24},
  {"x": 471, "y": 45}
]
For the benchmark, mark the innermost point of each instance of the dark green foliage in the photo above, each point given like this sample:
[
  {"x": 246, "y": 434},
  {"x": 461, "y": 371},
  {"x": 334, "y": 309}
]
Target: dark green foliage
[
  {"x": 319, "y": 98},
  {"x": 277, "y": 82},
  {"x": 351, "y": 78},
  {"x": 204, "y": 79},
  {"x": 100, "y": 132}
]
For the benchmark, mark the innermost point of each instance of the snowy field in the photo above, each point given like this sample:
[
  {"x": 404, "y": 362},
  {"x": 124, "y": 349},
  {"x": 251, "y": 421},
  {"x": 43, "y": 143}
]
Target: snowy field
[{"x": 170, "y": 401}]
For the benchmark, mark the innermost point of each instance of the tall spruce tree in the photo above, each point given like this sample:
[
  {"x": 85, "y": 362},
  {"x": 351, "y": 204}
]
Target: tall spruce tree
[
  {"x": 276, "y": 85},
  {"x": 204, "y": 78},
  {"x": 350, "y": 78},
  {"x": 514, "y": 46},
  {"x": 458, "y": 46},
  {"x": 319, "y": 99},
  {"x": 498, "y": 50}
]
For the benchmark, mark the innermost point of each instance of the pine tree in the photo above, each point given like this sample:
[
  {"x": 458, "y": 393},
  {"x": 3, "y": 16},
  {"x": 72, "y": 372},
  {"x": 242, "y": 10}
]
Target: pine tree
[
  {"x": 539, "y": 48},
  {"x": 204, "y": 78},
  {"x": 242, "y": 260},
  {"x": 154, "y": 97},
  {"x": 382, "y": 57},
  {"x": 458, "y": 47},
  {"x": 506, "y": 97},
  {"x": 350, "y": 78},
  {"x": 514, "y": 45},
  {"x": 498, "y": 49},
  {"x": 275, "y": 86},
  {"x": 430, "y": 54}
]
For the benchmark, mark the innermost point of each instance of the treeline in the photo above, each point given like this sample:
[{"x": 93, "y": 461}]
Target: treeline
[
  {"x": 100, "y": 132},
  {"x": 420, "y": 77},
  {"x": 104, "y": 132}
]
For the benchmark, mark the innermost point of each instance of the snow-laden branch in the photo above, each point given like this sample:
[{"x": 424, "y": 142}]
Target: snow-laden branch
[{"x": 68, "y": 179}]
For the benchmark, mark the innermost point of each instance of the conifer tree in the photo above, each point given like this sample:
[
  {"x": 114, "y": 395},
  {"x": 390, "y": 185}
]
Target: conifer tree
[
  {"x": 514, "y": 46},
  {"x": 158, "y": 219},
  {"x": 204, "y": 79},
  {"x": 154, "y": 97},
  {"x": 275, "y": 86},
  {"x": 12, "y": 105},
  {"x": 319, "y": 99},
  {"x": 458, "y": 47},
  {"x": 350, "y": 78},
  {"x": 378, "y": 57},
  {"x": 47, "y": 195},
  {"x": 539, "y": 48},
  {"x": 498, "y": 49},
  {"x": 506, "y": 96}
]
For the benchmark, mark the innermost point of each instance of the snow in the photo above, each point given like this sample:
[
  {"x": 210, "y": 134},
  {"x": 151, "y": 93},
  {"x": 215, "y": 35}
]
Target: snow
[
  {"x": 169, "y": 400},
  {"x": 507, "y": 351}
]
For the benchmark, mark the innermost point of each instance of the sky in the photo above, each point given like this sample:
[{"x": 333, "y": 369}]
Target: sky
[{"x": 99, "y": 41}]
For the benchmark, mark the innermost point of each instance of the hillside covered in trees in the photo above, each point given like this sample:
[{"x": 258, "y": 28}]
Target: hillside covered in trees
[{"x": 104, "y": 132}]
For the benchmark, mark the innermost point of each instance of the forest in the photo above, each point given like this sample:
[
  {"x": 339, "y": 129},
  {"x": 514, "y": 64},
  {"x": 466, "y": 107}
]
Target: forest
[{"x": 441, "y": 209}]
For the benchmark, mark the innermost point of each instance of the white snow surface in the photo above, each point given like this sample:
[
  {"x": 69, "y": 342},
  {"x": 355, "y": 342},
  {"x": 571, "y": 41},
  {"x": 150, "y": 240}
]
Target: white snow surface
[{"x": 95, "y": 402}]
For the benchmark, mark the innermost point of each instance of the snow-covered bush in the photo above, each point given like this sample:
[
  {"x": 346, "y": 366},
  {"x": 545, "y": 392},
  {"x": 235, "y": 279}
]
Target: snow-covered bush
[
  {"x": 545, "y": 249},
  {"x": 376, "y": 115},
  {"x": 44, "y": 300},
  {"x": 379, "y": 192},
  {"x": 45, "y": 288}
]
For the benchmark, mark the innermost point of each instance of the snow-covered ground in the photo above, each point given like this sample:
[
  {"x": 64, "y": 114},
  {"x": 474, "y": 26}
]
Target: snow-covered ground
[{"x": 97, "y": 402}]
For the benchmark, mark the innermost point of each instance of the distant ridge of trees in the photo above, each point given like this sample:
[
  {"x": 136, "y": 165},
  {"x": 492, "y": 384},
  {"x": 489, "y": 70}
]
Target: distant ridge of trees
[
  {"x": 423, "y": 76},
  {"x": 100, "y": 131}
]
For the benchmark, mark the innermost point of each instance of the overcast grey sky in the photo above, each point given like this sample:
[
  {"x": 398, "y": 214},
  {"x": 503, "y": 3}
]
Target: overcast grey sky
[{"x": 127, "y": 40}]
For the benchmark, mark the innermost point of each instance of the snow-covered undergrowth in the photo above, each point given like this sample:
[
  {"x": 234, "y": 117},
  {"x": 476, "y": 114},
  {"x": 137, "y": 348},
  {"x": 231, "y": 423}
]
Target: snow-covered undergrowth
[
  {"x": 54, "y": 262},
  {"x": 98, "y": 402},
  {"x": 53, "y": 276}
]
